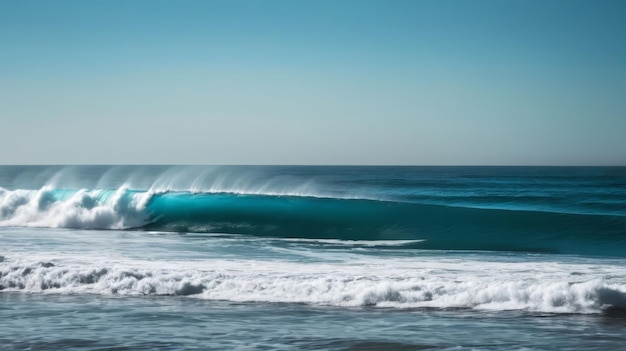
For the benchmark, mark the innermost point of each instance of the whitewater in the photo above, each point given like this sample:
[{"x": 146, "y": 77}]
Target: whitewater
[{"x": 310, "y": 257}]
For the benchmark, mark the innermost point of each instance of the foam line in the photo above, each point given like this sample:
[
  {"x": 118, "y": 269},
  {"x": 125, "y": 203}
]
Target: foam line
[{"x": 321, "y": 284}]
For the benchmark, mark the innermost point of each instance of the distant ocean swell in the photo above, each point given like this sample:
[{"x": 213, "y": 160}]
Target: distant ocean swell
[
  {"x": 436, "y": 226},
  {"x": 320, "y": 284}
]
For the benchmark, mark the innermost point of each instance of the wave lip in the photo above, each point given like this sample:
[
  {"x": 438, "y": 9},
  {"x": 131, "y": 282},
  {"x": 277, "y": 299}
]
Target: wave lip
[{"x": 319, "y": 285}]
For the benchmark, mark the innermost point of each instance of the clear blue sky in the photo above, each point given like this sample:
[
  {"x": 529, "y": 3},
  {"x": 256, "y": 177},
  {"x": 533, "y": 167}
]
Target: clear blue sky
[{"x": 313, "y": 82}]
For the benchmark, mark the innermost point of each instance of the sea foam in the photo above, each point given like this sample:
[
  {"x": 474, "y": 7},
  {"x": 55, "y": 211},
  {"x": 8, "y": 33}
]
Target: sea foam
[
  {"x": 89, "y": 209},
  {"x": 445, "y": 285}
]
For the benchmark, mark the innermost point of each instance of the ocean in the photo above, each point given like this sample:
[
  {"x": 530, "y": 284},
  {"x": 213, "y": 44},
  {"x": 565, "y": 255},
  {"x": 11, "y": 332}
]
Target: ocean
[{"x": 312, "y": 258}]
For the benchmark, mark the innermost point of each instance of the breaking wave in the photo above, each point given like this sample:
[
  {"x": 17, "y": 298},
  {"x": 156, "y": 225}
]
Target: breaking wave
[
  {"x": 88, "y": 209},
  {"x": 431, "y": 226}
]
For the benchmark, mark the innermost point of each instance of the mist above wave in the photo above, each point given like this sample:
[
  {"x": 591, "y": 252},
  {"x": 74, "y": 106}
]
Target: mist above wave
[{"x": 194, "y": 179}]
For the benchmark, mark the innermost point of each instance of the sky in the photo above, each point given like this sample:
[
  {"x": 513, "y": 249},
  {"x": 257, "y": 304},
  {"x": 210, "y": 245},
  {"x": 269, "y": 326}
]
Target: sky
[{"x": 418, "y": 82}]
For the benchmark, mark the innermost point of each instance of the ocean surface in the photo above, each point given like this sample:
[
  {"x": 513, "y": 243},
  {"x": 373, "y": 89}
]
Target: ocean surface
[{"x": 312, "y": 258}]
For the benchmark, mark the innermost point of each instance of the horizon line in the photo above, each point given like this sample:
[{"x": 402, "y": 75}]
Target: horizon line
[{"x": 303, "y": 165}]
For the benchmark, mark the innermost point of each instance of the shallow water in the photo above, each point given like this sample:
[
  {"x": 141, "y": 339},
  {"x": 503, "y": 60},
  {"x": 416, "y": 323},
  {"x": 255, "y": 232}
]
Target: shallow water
[{"x": 85, "y": 322}]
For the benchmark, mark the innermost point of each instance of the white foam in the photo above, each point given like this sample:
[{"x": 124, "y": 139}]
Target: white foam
[
  {"x": 90, "y": 209},
  {"x": 367, "y": 243},
  {"x": 405, "y": 284}
]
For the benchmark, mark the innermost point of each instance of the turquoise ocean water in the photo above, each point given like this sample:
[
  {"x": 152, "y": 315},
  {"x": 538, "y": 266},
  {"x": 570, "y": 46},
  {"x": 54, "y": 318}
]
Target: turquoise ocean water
[{"x": 312, "y": 258}]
